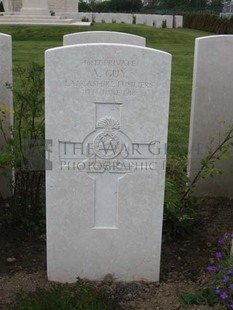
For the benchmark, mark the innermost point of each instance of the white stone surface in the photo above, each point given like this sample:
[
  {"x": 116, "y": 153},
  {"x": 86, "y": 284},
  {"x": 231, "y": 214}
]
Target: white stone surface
[
  {"x": 212, "y": 110},
  {"x": 141, "y": 19},
  {"x": 6, "y": 100},
  {"x": 105, "y": 216},
  {"x": 110, "y": 17},
  {"x": 178, "y": 21},
  {"x": 150, "y": 18},
  {"x": 103, "y": 37},
  {"x": 158, "y": 21},
  {"x": 35, "y": 7},
  {"x": 82, "y": 23},
  {"x": 124, "y": 18},
  {"x": 54, "y": 5},
  {"x": 103, "y": 18},
  {"x": 169, "y": 20},
  {"x": 59, "y": 6},
  {"x": 98, "y": 18}
]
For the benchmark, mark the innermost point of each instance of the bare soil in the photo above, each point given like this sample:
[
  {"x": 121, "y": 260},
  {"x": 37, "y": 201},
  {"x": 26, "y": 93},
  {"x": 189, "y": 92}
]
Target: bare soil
[{"x": 183, "y": 265}]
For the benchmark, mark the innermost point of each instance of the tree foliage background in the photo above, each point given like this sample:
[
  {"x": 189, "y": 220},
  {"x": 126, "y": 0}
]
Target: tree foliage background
[
  {"x": 124, "y": 6},
  {"x": 134, "y": 6}
]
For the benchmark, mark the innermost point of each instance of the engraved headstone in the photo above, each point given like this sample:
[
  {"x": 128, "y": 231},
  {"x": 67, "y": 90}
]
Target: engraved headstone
[
  {"x": 107, "y": 116},
  {"x": 211, "y": 112},
  {"x": 103, "y": 37},
  {"x": 6, "y": 101}
]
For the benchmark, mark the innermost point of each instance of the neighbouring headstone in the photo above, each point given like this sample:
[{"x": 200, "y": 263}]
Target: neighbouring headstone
[
  {"x": 103, "y": 18},
  {"x": 168, "y": 20},
  {"x": 212, "y": 111},
  {"x": 124, "y": 18},
  {"x": 6, "y": 101},
  {"x": 99, "y": 18},
  {"x": 141, "y": 19},
  {"x": 103, "y": 37},
  {"x": 158, "y": 21},
  {"x": 107, "y": 116},
  {"x": 150, "y": 20},
  {"x": 178, "y": 21}
]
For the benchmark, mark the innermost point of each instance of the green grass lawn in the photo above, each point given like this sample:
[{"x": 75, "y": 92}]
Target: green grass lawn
[{"x": 30, "y": 42}]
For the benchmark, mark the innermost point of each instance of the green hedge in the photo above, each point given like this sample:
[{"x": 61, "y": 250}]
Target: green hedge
[{"x": 208, "y": 22}]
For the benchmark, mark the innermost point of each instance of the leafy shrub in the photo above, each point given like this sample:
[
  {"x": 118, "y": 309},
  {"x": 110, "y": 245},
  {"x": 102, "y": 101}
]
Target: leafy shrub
[
  {"x": 84, "y": 19},
  {"x": 180, "y": 207},
  {"x": 26, "y": 209},
  {"x": 179, "y": 211},
  {"x": 134, "y": 19},
  {"x": 208, "y": 22},
  {"x": 164, "y": 24},
  {"x": 77, "y": 297}
]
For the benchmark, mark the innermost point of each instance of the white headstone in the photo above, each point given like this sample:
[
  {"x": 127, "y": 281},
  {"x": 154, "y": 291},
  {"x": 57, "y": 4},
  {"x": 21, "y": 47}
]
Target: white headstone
[
  {"x": 169, "y": 20},
  {"x": 141, "y": 19},
  {"x": 212, "y": 110},
  {"x": 107, "y": 114},
  {"x": 103, "y": 17},
  {"x": 150, "y": 20},
  {"x": 6, "y": 100},
  {"x": 124, "y": 18},
  {"x": 158, "y": 19},
  {"x": 178, "y": 21},
  {"x": 35, "y": 7},
  {"x": 103, "y": 37},
  {"x": 98, "y": 17}
]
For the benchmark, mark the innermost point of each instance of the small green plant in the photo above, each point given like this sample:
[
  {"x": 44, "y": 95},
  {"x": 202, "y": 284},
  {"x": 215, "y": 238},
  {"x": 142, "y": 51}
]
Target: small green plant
[
  {"x": 164, "y": 24},
  {"x": 180, "y": 206},
  {"x": 113, "y": 21},
  {"x": 134, "y": 19},
  {"x": 52, "y": 13},
  {"x": 179, "y": 214},
  {"x": 103, "y": 21},
  {"x": 85, "y": 19},
  {"x": 154, "y": 23},
  {"x": 222, "y": 270},
  {"x": 68, "y": 297},
  {"x": 203, "y": 297},
  {"x": 208, "y": 163},
  {"x": 221, "y": 287}
]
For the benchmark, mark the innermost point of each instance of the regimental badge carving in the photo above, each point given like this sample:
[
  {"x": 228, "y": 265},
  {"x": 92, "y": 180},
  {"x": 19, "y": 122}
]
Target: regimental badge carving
[{"x": 107, "y": 144}]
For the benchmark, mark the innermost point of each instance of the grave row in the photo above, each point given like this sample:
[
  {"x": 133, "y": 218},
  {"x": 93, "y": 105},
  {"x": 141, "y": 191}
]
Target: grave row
[
  {"x": 155, "y": 20},
  {"x": 106, "y": 109}
]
